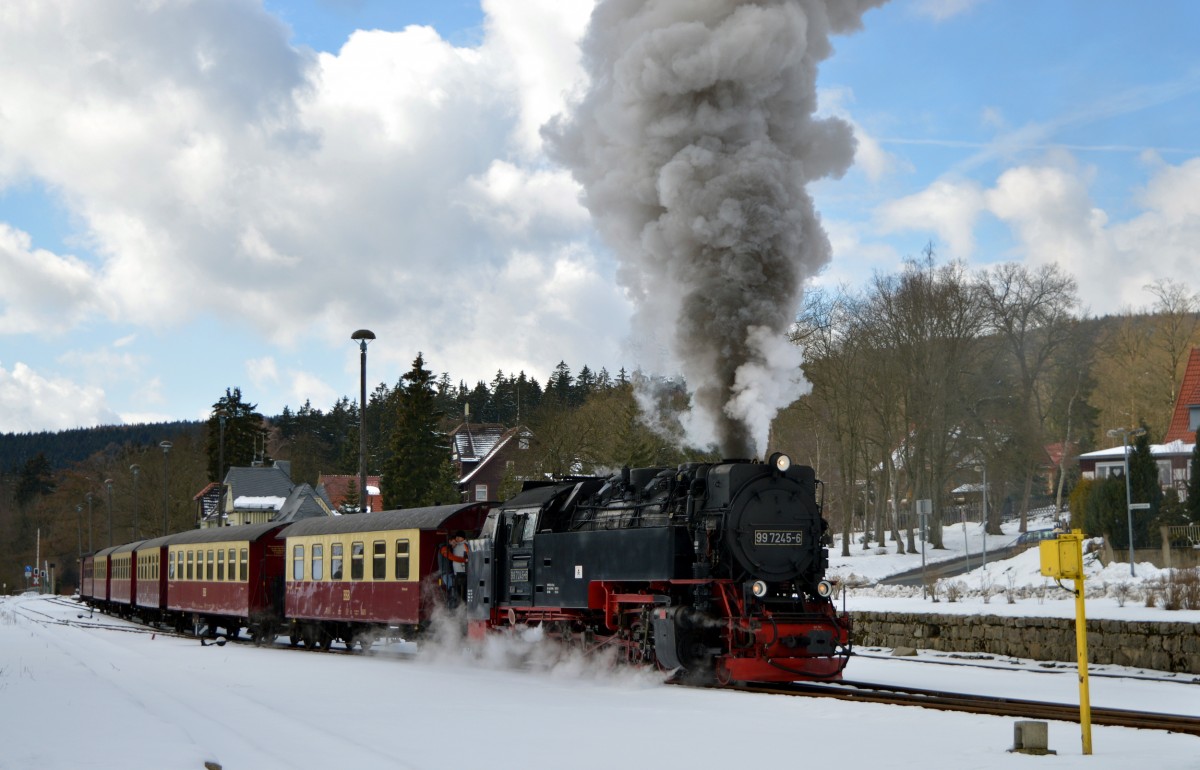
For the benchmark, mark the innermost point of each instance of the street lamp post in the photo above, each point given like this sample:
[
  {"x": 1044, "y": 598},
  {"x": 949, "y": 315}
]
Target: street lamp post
[
  {"x": 983, "y": 465},
  {"x": 91, "y": 548},
  {"x": 362, "y": 337},
  {"x": 166, "y": 448},
  {"x": 108, "y": 504},
  {"x": 135, "y": 469},
  {"x": 1125, "y": 434}
]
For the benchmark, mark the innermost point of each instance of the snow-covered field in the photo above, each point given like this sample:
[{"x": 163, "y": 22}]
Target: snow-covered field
[{"x": 113, "y": 695}]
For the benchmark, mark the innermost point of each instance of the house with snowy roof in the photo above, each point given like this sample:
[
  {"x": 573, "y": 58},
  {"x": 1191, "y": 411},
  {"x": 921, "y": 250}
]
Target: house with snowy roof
[
  {"x": 336, "y": 489},
  {"x": 257, "y": 495},
  {"x": 483, "y": 453},
  {"x": 1174, "y": 455}
]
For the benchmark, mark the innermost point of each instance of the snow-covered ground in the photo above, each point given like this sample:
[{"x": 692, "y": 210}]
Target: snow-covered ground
[
  {"x": 1004, "y": 586},
  {"x": 100, "y": 693}
]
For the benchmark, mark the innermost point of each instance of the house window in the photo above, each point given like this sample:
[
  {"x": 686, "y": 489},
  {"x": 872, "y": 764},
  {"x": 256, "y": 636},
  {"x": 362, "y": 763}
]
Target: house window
[
  {"x": 1164, "y": 473},
  {"x": 356, "y": 561},
  {"x": 379, "y": 562},
  {"x": 402, "y": 560},
  {"x": 523, "y": 442},
  {"x": 481, "y": 493},
  {"x": 335, "y": 561},
  {"x": 1107, "y": 470},
  {"x": 297, "y": 562},
  {"x": 1194, "y": 417},
  {"x": 318, "y": 561}
]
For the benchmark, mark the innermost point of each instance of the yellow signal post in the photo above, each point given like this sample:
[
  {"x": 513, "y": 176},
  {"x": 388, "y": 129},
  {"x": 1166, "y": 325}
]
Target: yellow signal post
[{"x": 1062, "y": 559}]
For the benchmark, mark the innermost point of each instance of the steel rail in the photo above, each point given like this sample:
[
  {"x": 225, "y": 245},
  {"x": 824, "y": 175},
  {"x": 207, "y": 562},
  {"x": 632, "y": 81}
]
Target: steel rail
[{"x": 866, "y": 692}]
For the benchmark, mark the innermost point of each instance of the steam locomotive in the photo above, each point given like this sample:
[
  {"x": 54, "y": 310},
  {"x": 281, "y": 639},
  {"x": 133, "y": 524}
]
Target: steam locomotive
[{"x": 715, "y": 571}]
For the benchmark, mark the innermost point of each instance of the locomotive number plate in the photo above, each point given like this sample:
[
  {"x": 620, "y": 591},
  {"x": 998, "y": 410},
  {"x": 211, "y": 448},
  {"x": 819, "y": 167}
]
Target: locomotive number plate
[
  {"x": 778, "y": 537},
  {"x": 518, "y": 576}
]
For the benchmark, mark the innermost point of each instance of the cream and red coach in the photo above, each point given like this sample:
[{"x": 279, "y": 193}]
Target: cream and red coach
[
  {"x": 95, "y": 590},
  {"x": 230, "y": 577},
  {"x": 349, "y": 578},
  {"x": 87, "y": 578},
  {"x": 122, "y": 581}
]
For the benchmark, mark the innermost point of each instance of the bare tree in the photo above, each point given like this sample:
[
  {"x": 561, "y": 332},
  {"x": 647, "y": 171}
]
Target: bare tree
[
  {"x": 1030, "y": 310},
  {"x": 931, "y": 317}
]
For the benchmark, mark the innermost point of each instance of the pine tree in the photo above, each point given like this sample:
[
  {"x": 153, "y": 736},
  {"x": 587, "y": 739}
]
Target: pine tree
[
  {"x": 1192, "y": 505},
  {"x": 35, "y": 480},
  {"x": 419, "y": 472},
  {"x": 245, "y": 435},
  {"x": 1144, "y": 487}
]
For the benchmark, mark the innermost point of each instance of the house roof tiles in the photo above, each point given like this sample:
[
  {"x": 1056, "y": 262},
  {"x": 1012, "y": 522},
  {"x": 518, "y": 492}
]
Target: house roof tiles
[{"x": 1189, "y": 396}]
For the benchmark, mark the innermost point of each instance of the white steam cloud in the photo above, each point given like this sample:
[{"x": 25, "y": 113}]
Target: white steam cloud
[{"x": 694, "y": 145}]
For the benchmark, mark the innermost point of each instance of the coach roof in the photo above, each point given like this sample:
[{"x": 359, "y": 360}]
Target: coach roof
[{"x": 433, "y": 517}]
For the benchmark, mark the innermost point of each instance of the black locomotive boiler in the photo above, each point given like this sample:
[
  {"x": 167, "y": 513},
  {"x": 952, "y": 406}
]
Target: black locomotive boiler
[{"x": 716, "y": 570}]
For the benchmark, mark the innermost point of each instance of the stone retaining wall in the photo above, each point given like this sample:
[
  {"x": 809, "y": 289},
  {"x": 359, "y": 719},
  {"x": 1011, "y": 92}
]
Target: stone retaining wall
[{"x": 1158, "y": 646}]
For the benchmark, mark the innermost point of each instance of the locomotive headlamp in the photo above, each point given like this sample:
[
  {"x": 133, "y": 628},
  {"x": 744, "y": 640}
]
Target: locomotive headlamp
[
  {"x": 825, "y": 588},
  {"x": 759, "y": 588},
  {"x": 781, "y": 462}
]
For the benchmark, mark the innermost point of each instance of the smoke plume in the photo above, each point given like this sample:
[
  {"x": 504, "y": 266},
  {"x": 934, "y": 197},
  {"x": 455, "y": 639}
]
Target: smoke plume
[{"x": 694, "y": 145}]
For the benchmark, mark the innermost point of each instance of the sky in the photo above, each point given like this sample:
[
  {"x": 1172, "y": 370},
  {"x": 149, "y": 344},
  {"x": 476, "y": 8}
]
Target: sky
[
  {"x": 203, "y": 195},
  {"x": 158, "y": 701}
]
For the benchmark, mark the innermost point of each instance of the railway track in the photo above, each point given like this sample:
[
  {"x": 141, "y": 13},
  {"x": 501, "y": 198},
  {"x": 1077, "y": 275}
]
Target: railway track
[{"x": 866, "y": 692}]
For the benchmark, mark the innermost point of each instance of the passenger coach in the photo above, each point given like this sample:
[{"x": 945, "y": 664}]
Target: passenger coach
[
  {"x": 122, "y": 578},
  {"x": 231, "y": 577},
  {"x": 349, "y": 578}
]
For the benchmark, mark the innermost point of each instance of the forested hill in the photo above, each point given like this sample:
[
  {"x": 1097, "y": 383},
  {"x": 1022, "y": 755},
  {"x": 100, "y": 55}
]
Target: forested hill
[{"x": 64, "y": 448}]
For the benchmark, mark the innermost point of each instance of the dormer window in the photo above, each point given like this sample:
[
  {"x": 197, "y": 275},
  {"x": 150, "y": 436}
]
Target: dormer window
[{"x": 1194, "y": 417}]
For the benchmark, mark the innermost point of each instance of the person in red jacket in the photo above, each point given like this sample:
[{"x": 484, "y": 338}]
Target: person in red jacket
[{"x": 453, "y": 557}]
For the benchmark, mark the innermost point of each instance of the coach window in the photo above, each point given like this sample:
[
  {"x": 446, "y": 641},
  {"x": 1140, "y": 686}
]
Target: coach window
[
  {"x": 297, "y": 562},
  {"x": 220, "y": 565},
  {"x": 189, "y": 565},
  {"x": 402, "y": 560},
  {"x": 318, "y": 561},
  {"x": 356, "y": 561},
  {"x": 232, "y": 564},
  {"x": 210, "y": 572},
  {"x": 245, "y": 564},
  {"x": 379, "y": 562},
  {"x": 335, "y": 561}
]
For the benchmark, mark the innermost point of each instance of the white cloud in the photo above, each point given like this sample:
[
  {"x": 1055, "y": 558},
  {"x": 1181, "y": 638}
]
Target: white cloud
[
  {"x": 1049, "y": 210},
  {"x": 869, "y": 154},
  {"x": 263, "y": 372},
  {"x": 948, "y": 208},
  {"x": 32, "y": 402},
  {"x": 214, "y": 169},
  {"x": 41, "y": 292},
  {"x": 940, "y": 10}
]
